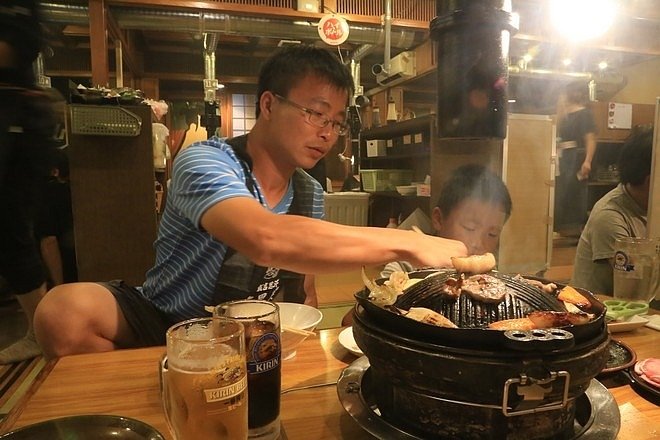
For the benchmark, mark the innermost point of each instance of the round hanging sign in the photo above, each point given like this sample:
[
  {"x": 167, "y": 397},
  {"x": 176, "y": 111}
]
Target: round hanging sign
[{"x": 333, "y": 30}]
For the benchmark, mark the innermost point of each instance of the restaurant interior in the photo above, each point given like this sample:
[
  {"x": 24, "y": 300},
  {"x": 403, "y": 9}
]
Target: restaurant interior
[{"x": 200, "y": 61}]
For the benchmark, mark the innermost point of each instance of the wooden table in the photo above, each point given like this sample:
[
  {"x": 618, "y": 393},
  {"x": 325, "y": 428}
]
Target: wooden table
[{"x": 125, "y": 383}]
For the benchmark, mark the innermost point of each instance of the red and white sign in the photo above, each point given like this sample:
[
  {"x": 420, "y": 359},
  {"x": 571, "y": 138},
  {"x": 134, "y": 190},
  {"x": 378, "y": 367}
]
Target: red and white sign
[{"x": 333, "y": 30}]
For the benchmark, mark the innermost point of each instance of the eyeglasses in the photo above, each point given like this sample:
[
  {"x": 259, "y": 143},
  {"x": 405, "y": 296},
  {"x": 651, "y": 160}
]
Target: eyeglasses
[{"x": 315, "y": 118}]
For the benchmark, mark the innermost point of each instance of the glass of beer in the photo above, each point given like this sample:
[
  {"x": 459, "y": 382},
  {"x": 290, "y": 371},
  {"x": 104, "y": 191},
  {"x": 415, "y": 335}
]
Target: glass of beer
[
  {"x": 262, "y": 340},
  {"x": 204, "y": 380},
  {"x": 636, "y": 268}
]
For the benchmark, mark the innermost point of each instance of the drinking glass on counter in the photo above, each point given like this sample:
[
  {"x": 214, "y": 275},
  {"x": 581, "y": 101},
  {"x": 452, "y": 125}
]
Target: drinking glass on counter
[
  {"x": 262, "y": 340},
  {"x": 204, "y": 381},
  {"x": 636, "y": 268}
]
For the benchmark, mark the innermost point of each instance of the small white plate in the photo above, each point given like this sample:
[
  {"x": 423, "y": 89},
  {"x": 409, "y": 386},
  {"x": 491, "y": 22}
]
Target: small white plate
[
  {"x": 348, "y": 342},
  {"x": 626, "y": 325}
]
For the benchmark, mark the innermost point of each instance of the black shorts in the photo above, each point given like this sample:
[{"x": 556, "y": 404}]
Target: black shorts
[{"x": 147, "y": 322}]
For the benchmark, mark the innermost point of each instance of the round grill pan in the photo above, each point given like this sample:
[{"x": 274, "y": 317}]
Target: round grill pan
[{"x": 472, "y": 316}]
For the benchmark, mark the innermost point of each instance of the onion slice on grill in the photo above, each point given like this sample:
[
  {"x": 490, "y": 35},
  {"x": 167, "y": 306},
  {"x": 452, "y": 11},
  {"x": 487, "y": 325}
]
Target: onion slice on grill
[
  {"x": 387, "y": 293},
  {"x": 428, "y": 316}
]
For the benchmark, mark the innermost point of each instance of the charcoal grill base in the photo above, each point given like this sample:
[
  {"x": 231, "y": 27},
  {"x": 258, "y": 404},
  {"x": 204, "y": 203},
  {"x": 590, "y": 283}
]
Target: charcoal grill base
[{"x": 597, "y": 414}]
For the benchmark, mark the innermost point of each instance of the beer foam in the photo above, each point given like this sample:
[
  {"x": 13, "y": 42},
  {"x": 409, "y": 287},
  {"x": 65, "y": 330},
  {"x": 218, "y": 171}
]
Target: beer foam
[{"x": 201, "y": 358}]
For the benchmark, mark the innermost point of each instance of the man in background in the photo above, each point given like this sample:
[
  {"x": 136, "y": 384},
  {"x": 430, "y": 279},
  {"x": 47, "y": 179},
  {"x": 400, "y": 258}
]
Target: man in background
[
  {"x": 26, "y": 130},
  {"x": 54, "y": 224},
  {"x": 619, "y": 213}
]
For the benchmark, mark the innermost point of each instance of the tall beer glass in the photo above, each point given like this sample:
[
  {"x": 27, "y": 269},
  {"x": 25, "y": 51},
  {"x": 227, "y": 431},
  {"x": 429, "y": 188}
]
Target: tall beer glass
[
  {"x": 262, "y": 335},
  {"x": 203, "y": 380},
  {"x": 636, "y": 268}
]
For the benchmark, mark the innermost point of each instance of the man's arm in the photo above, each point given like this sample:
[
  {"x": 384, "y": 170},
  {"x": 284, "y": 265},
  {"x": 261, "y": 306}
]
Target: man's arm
[
  {"x": 590, "y": 151},
  {"x": 310, "y": 291},
  {"x": 309, "y": 246}
]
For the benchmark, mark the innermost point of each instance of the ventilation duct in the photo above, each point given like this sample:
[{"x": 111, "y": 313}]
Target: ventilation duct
[{"x": 202, "y": 22}]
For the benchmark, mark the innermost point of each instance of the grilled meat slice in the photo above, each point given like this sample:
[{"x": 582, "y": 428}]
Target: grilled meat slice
[
  {"x": 512, "y": 324},
  {"x": 547, "y": 288},
  {"x": 548, "y": 319},
  {"x": 452, "y": 288},
  {"x": 570, "y": 295},
  {"x": 428, "y": 316},
  {"x": 485, "y": 288}
]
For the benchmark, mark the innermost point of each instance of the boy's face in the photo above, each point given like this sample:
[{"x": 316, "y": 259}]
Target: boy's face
[{"x": 476, "y": 223}]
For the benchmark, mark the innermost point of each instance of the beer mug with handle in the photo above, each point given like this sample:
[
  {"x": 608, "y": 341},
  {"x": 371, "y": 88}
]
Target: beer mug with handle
[
  {"x": 262, "y": 334},
  {"x": 204, "y": 381}
]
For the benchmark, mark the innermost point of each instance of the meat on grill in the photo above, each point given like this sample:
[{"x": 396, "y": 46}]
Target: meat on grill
[
  {"x": 485, "y": 288},
  {"x": 513, "y": 324},
  {"x": 549, "y": 319},
  {"x": 572, "y": 296}
]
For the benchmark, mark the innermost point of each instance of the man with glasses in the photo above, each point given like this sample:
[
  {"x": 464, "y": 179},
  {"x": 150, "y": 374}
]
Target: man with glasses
[{"x": 242, "y": 220}]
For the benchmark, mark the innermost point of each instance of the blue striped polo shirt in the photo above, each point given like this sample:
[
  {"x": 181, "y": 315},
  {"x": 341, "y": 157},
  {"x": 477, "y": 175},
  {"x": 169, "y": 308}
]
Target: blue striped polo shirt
[{"x": 188, "y": 259}]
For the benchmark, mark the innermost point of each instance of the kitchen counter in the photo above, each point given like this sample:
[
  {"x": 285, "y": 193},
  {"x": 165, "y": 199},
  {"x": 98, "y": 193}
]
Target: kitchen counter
[{"x": 125, "y": 382}]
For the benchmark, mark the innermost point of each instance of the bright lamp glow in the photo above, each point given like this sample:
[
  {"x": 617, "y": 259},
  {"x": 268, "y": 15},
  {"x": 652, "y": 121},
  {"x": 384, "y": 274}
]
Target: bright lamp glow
[{"x": 580, "y": 20}]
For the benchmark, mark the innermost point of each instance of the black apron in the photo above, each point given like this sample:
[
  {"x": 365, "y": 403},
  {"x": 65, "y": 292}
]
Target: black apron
[{"x": 240, "y": 278}]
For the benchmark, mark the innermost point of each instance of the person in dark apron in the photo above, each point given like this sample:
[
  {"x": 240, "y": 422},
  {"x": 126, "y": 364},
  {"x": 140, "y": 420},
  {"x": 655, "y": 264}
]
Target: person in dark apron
[
  {"x": 242, "y": 220},
  {"x": 240, "y": 278}
]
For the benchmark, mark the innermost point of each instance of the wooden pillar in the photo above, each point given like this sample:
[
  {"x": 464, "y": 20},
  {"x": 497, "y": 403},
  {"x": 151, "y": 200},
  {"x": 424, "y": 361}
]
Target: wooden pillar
[
  {"x": 99, "y": 43},
  {"x": 150, "y": 87}
]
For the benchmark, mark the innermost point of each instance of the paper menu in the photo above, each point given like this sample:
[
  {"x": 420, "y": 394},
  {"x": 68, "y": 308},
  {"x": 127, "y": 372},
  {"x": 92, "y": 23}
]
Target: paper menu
[{"x": 619, "y": 116}]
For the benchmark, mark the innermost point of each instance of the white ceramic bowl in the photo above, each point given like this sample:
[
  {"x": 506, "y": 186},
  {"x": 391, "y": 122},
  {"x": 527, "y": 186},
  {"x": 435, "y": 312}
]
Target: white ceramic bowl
[
  {"x": 297, "y": 316},
  {"x": 407, "y": 190}
]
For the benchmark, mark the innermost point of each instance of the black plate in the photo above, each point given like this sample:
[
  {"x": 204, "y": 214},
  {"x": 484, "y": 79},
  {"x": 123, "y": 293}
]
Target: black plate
[
  {"x": 620, "y": 357},
  {"x": 97, "y": 427}
]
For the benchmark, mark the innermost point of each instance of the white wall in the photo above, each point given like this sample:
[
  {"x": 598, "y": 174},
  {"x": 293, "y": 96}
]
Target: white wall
[{"x": 643, "y": 83}]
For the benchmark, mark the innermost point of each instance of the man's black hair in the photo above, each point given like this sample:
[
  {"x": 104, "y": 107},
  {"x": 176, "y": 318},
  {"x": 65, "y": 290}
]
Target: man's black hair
[
  {"x": 635, "y": 157},
  {"x": 473, "y": 181},
  {"x": 291, "y": 64}
]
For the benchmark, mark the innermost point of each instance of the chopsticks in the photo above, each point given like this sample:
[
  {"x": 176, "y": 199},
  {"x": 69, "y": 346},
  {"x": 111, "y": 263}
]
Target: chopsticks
[
  {"x": 416, "y": 229},
  {"x": 298, "y": 331}
]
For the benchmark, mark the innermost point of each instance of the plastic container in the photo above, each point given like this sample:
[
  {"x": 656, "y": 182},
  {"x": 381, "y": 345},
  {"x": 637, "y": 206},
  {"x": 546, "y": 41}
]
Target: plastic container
[
  {"x": 347, "y": 208},
  {"x": 384, "y": 179}
]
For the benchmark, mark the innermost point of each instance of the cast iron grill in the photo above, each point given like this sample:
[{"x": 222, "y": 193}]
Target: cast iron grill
[
  {"x": 473, "y": 316},
  {"x": 466, "y": 312}
]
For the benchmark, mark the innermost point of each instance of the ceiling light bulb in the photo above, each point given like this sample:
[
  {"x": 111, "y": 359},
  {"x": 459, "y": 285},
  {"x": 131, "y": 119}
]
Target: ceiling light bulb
[
  {"x": 602, "y": 65},
  {"x": 220, "y": 86},
  {"x": 566, "y": 62},
  {"x": 527, "y": 58},
  {"x": 579, "y": 20}
]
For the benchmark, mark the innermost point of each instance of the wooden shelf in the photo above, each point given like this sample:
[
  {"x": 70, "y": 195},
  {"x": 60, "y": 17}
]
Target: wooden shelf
[
  {"x": 399, "y": 156},
  {"x": 410, "y": 126}
]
